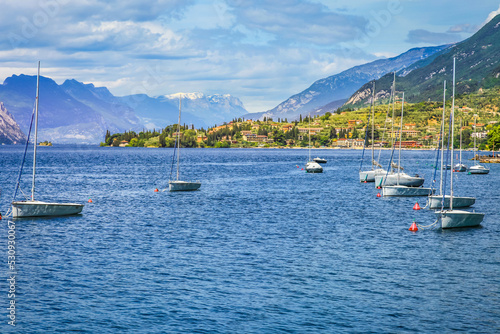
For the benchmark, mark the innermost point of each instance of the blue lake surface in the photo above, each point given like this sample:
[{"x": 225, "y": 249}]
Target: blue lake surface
[{"x": 262, "y": 247}]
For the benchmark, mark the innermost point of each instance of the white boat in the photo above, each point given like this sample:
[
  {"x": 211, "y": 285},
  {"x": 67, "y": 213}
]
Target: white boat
[
  {"x": 456, "y": 218},
  {"x": 32, "y": 207},
  {"x": 320, "y": 160},
  {"x": 477, "y": 168},
  {"x": 369, "y": 175},
  {"x": 460, "y": 218},
  {"x": 311, "y": 165},
  {"x": 178, "y": 185},
  {"x": 404, "y": 191},
  {"x": 43, "y": 209},
  {"x": 402, "y": 184},
  {"x": 442, "y": 201},
  {"x": 436, "y": 202},
  {"x": 402, "y": 179},
  {"x": 460, "y": 168}
]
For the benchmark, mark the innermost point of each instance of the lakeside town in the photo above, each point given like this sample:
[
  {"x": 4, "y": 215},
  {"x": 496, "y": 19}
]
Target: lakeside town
[{"x": 344, "y": 129}]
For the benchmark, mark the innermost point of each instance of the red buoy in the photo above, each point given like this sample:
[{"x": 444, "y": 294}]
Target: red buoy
[
  {"x": 0, "y": 216},
  {"x": 413, "y": 227},
  {"x": 416, "y": 206},
  {"x": 365, "y": 181},
  {"x": 378, "y": 194},
  {"x": 156, "y": 190},
  {"x": 379, "y": 187},
  {"x": 90, "y": 201}
]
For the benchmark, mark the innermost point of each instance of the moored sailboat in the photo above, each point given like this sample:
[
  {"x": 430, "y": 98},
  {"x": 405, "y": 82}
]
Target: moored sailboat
[
  {"x": 311, "y": 165},
  {"x": 456, "y": 218},
  {"x": 32, "y": 207},
  {"x": 178, "y": 185},
  {"x": 477, "y": 168},
  {"x": 401, "y": 188},
  {"x": 442, "y": 200}
]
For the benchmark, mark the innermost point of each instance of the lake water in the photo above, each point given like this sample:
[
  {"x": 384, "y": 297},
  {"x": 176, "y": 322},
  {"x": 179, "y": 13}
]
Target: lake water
[{"x": 262, "y": 247}]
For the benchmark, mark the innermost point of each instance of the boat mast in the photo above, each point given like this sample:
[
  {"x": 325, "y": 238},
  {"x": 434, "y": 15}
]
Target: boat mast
[
  {"x": 309, "y": 137},
  {"x": 373, "y": 122},
  {"x": 442, "y": 139},
  {"x": 400, "y": 134},
  {"x": 460, "y": 165},
  {"x": 393, "y": 108},
  {"x": 452, "y": 133},
  {"x": 36, "y": 130},
  {"x": 179, "y": 138},
  {"x": 475, "y": 126}
]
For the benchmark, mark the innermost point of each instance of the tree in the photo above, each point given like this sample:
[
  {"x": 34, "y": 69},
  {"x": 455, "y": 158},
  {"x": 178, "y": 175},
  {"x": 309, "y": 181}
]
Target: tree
[
  {"x": 494, "y": 137},
  {"x": 279, "y": 137}
]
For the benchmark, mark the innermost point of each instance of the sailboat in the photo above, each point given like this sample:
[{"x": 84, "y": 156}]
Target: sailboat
[
  {"x": 369, "y": 175},
  {"x": 477, "y": 168},
  {"x": 311, "y": 165},
  {"x": 460, "y": 167},
  {"x": 399, "y": 188},
  {"x": 32, "y": 207},
  {"x": 178, "y": 185},
  {"x": 442, "y": 200},
  {"x": 456, "y": 218}
]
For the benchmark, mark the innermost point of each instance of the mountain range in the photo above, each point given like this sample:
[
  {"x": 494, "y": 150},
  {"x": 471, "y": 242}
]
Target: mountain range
[
  {"x": 332, "y": 92},
  {"x": 75, "y": 112},
  {"x": 477, "y": 66}
]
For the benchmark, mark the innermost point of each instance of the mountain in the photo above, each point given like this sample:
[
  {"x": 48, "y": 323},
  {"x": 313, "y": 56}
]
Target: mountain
[
  {"x": 75, "y": 112},
  {"x": 197, "y": 109},
  {"x": 341, "y": 86},
  {"x": 477, "y": 66},
  {"x": 76, "y": 115},
  {"x": 10, "y": 133}
]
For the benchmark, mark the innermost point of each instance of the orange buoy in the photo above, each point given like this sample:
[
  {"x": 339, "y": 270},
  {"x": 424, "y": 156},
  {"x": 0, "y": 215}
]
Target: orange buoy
[
  {"x": 0, "y": 216},
  {"x": 378, "y": 194},
  {"x": 365, "y": 181},
  {"x": 413, "y": 227},
  {"x": 156, "y": 190},
  {"x": 90, "y": 201},
  {"x": 416, "y": 206}
]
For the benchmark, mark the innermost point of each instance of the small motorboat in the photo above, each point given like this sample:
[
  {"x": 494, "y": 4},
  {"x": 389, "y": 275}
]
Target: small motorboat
[{"x": 319, "y": 160}]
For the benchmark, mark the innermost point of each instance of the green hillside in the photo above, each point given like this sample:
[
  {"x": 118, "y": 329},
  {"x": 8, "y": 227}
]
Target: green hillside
[{"x": 477, "y": 66}]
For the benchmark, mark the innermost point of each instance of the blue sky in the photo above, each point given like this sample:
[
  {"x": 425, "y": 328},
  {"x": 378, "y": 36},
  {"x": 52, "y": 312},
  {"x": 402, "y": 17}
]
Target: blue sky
[{"x": 259, "y": 51}]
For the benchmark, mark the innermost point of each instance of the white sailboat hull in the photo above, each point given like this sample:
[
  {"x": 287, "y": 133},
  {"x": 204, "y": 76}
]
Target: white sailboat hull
[
  {"x": 435, "y": 201},
  {"x": 478, "y": 169},
  {"x": 313, "y": 167},
  {"x": 460, "y": 218},
  {"x": 183, "y": 186},
  {"x": 21, "y": 209},
  {"x": 404, "y": 191},
  {"x": 369, "y": 175},
  {"x": 460, "y": 168},
  {"x": 404, "y": 180}
]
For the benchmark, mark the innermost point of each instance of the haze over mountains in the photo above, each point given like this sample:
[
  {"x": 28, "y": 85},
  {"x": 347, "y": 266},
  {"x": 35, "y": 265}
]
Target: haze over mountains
[{"x": 75, "y": 112}]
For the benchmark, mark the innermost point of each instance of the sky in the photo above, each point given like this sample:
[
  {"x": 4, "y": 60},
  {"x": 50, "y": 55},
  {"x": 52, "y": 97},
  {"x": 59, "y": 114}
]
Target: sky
[{"x": 259, "y": 51}]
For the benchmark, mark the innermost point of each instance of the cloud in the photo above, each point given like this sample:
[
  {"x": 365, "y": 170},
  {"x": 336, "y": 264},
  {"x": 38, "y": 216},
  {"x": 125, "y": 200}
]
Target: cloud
[
  {"x": 466, "y": 28},
  {"x": 419, "y": 36},
  {"x": 295, "y": 21},
  {"x": 491, "y": 16}
]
